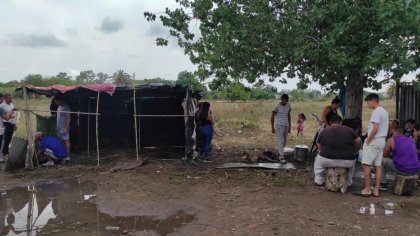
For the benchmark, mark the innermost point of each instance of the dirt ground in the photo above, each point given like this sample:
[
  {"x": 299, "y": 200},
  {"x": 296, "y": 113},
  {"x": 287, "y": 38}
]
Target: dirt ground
[{"x": 231, "y": 201}]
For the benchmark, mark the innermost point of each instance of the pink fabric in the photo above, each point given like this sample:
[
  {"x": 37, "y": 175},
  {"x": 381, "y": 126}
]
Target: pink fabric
[{"x": 108, "y": 88}]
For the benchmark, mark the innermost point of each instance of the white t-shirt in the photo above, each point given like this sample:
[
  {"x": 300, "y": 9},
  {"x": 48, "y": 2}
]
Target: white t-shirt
[
  {"x": 381, "y": 116},
  {"x": 8, "y": 108},
  {"x": 282, "y": 114}
]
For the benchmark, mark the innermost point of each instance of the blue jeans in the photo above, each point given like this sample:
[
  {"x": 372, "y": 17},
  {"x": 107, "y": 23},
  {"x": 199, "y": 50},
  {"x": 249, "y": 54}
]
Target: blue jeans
[{"x": 206, "y": 133}]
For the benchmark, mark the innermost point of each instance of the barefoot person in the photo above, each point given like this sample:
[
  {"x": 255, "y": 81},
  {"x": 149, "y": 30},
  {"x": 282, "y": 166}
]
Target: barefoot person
[
  {"x": 63, "y": 123},
  {"x": 404, "y": 157},
  {"x": 338, "y": 145},
  {"x": 374, "y": 144},
  {"x": 280, "y": 124}
]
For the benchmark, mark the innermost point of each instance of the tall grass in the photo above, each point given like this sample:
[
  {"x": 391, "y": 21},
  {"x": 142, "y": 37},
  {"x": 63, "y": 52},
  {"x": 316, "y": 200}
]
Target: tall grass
[{"x": 242, "y": 124}]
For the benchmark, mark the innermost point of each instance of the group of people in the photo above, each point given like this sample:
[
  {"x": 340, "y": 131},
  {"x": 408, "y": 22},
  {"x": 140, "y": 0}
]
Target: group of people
[
  {"x": 388, "y": 147},
  {"x": 54, "y": 149}
]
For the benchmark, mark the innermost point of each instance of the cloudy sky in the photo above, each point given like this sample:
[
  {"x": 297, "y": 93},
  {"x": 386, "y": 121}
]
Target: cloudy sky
[{"x": 51, "y": 36}]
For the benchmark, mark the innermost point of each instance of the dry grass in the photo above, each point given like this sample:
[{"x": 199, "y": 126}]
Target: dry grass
[
  {"x": 255, "y": 118},
  {"x": 244, "y": 124}
]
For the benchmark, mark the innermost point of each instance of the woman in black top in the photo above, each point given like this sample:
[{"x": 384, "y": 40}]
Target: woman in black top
[
  {"x": 205, "y": 122},
  {"x": 330, "y": 111}
]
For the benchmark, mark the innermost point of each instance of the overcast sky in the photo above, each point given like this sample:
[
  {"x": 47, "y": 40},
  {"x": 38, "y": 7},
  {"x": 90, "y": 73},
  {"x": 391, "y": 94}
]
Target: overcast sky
[{"x": 51, "y": 36}]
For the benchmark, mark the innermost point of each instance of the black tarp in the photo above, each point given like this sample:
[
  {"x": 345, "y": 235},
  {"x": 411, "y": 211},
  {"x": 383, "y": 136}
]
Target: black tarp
[{"x": 116, "y": 122}]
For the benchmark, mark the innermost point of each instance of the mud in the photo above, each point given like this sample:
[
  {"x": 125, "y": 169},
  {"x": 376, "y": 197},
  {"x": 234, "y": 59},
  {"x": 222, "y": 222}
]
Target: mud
[{"x": 175, "y": 198}]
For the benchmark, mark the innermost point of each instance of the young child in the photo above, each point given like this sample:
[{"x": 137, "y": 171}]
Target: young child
[{"x": 301, "y": 119}]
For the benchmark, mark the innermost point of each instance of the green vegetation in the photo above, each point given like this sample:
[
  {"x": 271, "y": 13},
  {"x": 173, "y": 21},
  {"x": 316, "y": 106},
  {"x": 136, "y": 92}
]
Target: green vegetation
[{"x": 331, "y": 42}]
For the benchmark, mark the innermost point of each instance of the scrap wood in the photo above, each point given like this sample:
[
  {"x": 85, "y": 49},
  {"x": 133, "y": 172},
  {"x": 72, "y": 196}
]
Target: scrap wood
[
  {"x": 275, "y": 166},
  {"x": 127, "y": 166}
]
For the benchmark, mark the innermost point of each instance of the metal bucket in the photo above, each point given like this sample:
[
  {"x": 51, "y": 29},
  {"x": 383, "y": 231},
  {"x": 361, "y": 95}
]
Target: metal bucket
[{"x": 301, "y": 153}]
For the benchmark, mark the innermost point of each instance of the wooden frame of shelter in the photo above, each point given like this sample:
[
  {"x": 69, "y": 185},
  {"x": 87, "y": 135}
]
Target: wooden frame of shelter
[{"x": 189, "y": 106}]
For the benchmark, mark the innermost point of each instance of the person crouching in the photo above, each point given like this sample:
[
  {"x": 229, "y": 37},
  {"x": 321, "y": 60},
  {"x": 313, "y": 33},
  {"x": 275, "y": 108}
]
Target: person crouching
[
  {"x": 338, "y": 145},
  {"x": 51, "y": 148}
]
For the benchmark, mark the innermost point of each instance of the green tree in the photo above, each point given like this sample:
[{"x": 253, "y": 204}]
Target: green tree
[
  {"x": 331, "y": 42},
  {"x": 156, "y": 80},
  {"x": 86, "y": 77},
  {"x": 189, "y": 79},
  {"x": 120, "y": 77},
  {"x": 235, "y": 91},
  {"x": 102, "y": 78}
]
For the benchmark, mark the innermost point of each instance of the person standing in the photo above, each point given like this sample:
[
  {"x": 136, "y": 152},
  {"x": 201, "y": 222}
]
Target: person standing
[
  {"x": 374, "y": 144},
  {"x": 10, "y": 125},
  {"x": 280, "y": 125},
  {"x": 206, "y": 122},
  {"x": 63, "y": 123},
  {"x": 3, "y": 116}
]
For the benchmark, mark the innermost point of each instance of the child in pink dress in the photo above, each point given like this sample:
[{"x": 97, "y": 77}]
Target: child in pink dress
[{"x": 301, "y": 119}]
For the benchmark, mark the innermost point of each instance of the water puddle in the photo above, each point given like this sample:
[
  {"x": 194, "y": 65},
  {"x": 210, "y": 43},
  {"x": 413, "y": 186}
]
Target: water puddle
[
  {"x": 403, "y": 209},
  {"x": 67, "y": 208}
]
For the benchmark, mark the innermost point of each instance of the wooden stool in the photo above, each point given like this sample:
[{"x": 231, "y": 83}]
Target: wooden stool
[
  {"x": 404, "y": 185},
  {"x": 336, "y": 179}
]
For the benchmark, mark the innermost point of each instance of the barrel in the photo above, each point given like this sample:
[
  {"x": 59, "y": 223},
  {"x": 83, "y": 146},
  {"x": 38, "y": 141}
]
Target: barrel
[{"x": 301, "y": 153}]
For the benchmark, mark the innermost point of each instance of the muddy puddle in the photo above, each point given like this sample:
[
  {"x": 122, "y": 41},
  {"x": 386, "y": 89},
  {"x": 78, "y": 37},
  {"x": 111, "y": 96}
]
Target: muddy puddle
[
  {"x": 389, "y": 209},
  {"x": 68, "y": 208}
]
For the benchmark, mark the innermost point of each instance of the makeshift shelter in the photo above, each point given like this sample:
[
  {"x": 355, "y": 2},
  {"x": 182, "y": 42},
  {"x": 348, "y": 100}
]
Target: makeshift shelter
[
  {"x": 408, "y": 102},
  {"x": 105, "y": 116}
]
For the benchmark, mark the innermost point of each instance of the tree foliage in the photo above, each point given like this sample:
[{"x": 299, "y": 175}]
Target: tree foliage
[
  {"x": 189, "y": 79},
  {"x": 120, "y": 77},
  {"x": 331, "y": 42}
]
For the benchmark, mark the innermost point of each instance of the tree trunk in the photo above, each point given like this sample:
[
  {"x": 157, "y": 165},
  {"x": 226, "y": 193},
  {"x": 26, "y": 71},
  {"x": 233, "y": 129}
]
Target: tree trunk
[{"x": 354, "y": 96}]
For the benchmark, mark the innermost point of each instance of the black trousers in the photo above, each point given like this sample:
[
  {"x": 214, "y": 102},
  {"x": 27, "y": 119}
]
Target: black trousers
[{"x": 9, "y": 128}]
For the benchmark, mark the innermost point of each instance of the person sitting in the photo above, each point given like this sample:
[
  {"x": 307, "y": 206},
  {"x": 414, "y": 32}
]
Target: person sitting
[
  {"x": 404, "y": 157},
  {"x": 329, "y": 111},
  {"x": 338, "y": 145},
  {"x": 409, "y": 128},
  {"x": 51, "y": 148},
  {"x": 393, "y": 125}
]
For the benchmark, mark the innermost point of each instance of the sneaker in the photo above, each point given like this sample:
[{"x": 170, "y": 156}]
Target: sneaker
[
  {"x": 48, "y": 163},
  {"x": 383, "y": 187},
  {"x": 207, "y": 160},
  {"x": 281, "y": 159}
]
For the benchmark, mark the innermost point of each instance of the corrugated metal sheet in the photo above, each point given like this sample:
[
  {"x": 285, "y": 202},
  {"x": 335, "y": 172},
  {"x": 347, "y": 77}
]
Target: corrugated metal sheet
[{"x": 408, "y": 103}]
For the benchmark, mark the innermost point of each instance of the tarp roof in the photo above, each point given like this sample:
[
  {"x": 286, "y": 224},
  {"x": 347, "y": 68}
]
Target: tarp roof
[
  {"x": 54, "y": 89},
  {"x": 145, "y": 90}
]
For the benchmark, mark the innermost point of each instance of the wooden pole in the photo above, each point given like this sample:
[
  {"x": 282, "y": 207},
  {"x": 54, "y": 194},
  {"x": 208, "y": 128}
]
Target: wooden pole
[
  {"x": 97, "y": 132},
  {"x": 88, "y": 129},
  {"x": 135, "y": 122},
  {"x": 28, "y": 162}
]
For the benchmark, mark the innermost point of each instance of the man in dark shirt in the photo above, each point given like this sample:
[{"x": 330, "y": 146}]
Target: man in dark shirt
[
  {"x": 410, "y": 128},
  {"x": 338, "y": 145}
]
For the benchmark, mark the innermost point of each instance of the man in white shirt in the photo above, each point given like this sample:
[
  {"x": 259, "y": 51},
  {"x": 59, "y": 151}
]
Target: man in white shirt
[
  {"x": 3, "y": 116},
  {"x": 10, "y": 125},
  {"x": 374, "y": 144}
]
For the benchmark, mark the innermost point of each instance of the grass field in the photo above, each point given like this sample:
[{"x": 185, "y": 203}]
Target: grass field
[{"x": 242, "y": 124}]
